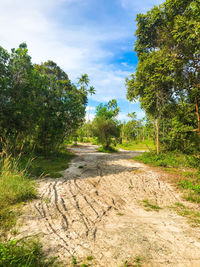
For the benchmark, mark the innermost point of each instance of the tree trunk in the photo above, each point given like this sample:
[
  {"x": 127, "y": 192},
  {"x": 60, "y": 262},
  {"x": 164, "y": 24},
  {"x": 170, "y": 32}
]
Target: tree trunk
[
  {"x": 157, "y": 135},
  {"x": 198, "y": 116}
]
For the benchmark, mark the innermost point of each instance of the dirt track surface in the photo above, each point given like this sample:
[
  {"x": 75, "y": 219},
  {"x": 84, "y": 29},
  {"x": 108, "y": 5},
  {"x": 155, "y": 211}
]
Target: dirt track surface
[{"x": 96, "y": 209}]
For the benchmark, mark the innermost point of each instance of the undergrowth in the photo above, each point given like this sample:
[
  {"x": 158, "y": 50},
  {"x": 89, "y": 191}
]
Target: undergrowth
[
  {"x": 170, "y": 159},
  {"x": 15, "y": 188},
  {"x": 24, "y": 253},
  {"x": 49, "y": 166}
]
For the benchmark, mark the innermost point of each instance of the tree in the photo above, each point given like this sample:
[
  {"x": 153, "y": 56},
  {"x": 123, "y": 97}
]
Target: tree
[
  {"x": 91, "y": 92},
  {"x": 105, "y": 126},
  {"x": 83, "y": 81},
  {"x": 152, "y": 85},
  {"x": 62, "y": 108},
  {"x": 39, "y": 104},
  {"x": 168, "y": 50}
]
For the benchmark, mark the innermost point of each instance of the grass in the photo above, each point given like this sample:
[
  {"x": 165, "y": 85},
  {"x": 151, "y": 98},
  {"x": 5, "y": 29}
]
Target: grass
[
  {"x": 24, "y": 253},
  {"x": 15, "y": 188},
  {"x": 107, "y": 150},
  {"x": 50, "y": 166},
  {"x": 185, "y": 170},
  {"x": 193, "y": 216},
  {"x": 137, "y": 262},
  {"x": 170, "y": 159},
  {"x": 138, "y": 145},
  {"x": 150, "y": 206}
]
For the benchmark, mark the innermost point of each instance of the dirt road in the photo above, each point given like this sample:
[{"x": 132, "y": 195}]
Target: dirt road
[{"x": 97, "y": 210}]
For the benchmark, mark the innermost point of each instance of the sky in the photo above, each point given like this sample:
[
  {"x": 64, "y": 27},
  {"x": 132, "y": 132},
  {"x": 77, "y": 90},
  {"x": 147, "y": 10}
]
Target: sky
[{"x": 82, "y": 36}]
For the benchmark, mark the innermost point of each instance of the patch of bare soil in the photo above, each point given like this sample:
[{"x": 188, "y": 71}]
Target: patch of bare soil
[{"x": 97, "y": 210}]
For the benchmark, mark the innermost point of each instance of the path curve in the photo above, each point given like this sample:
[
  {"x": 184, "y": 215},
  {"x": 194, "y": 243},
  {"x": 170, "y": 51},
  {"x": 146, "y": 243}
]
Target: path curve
[{"x": 96, "y": 210}]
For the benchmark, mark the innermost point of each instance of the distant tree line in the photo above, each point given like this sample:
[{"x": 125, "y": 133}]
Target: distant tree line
[
  {"x": 39, "y": 106},
  {"x": 167, "y": 79}
]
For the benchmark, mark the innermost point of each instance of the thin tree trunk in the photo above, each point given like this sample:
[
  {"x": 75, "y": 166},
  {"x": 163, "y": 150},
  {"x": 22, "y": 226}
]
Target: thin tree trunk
[
  {"x": 157, "y": 135},
  {"x": 198, "y": 116}
]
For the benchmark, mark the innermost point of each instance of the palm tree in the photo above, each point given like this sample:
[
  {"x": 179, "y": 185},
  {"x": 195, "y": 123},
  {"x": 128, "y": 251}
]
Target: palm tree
[
  {"x": 83, "y": 81},
  {"x": 91, "y": 91}
]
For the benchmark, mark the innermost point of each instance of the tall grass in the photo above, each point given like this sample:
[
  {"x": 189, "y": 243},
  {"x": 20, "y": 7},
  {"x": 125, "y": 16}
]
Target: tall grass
[{"x": 15, "y": 188}]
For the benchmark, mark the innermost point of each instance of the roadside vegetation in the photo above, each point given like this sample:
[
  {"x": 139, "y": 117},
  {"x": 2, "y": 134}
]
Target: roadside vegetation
[
  {"x": 24, "y": 253},
  {"x": 15, "y": 189}
]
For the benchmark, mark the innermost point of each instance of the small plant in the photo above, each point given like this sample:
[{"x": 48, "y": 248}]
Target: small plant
[
  {"x": 120, "y": 214},
  {"x": 151, "y": 206},
  {"x": 89, "y": 258},
  {"x": 74, "y": 261}
]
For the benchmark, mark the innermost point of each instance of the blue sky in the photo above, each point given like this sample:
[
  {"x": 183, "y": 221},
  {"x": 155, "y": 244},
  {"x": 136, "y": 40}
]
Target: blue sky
[{"x": 82, "y": 36}]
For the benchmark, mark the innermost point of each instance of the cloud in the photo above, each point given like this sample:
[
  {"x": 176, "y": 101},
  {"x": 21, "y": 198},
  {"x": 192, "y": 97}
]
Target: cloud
[
  {"x": 139, "y": 6},
  {"x": 91, "y": 109},
  {"x": 81, "y": 36}
]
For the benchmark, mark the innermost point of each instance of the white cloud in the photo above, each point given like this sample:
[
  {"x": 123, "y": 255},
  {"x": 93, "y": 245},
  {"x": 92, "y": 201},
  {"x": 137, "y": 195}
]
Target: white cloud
[
  {"x": 122, "y": 116},
  {"x": 139, "y": 6},
  {"x": 90, "y": 109},
  {"x": 76, "y": 48}
]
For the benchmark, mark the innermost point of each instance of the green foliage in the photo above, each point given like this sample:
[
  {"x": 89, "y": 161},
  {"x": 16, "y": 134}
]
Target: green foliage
[
  {"x": 167, "y": 77},
  {"x": 15, "y": 188},
  {"x": 50, "y": 166},
  {"x": 190, "y": 185},
  {"x": 23, "y": 253},
  {"x": 169, "y": 159},
  {"x": 39, "y": 104},
  {"x": 105, "y": 126}
]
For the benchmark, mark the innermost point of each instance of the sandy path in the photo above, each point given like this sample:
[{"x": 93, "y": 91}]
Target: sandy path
[{"x": 96, "y": 209}]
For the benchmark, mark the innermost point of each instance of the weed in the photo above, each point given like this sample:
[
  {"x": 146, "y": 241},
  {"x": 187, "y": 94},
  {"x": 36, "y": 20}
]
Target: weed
[
  {"x": 193, "y": 216},
  {"x": 170, "y": 159},
  {"x": 24, "y": 253},
  {"x": 47, "y": 200},
  {"x": 51, "y": 166},
  {"x": 151, "y": 206},
  {"x": 15, "y": 188},
  {"x": 74, "y": 261},
  {"x": 89, "y": 258},
  {"x": 14, "y": 231},
  {"x": 120, "y": 214}
]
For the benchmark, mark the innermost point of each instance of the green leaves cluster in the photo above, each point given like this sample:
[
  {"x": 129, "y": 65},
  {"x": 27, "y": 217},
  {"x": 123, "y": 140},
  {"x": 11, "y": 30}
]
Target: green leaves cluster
[
  {"x": 105, "y": 125},
  {"x": 167, "y": 80},
  {"x": 39, "y": 105}
]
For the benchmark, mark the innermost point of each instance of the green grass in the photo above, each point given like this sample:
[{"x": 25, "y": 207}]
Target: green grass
[
  {"x": 180, "y": 165},
  {"x": 25, "y": 253},
  {"x": 170, "y": 159},
  {"x": 50, "y": 166},
  {"x": 15, "y": 188},
  {"x": 107, "y": 150},
  {"x": 193, "y": 216},
  {"x": 150, "y": 206},
  {"x": 137, "y": 145}
]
